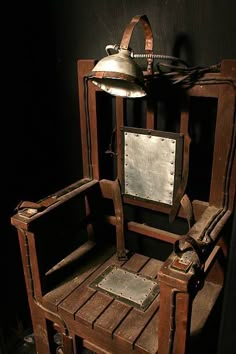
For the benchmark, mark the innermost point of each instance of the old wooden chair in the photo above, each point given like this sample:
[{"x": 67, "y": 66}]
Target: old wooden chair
[{"x": 130, "y": 258}]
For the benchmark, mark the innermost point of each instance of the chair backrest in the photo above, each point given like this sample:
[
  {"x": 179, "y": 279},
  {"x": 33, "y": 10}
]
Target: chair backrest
[{"x": 197, "y": 120}]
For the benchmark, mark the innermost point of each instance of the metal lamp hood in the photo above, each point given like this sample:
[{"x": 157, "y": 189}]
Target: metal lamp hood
[{"x": 119, "y": 75}]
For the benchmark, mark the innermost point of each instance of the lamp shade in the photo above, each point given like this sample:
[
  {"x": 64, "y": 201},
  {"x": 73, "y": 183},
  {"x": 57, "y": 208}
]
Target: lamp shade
[{"x": 119, "y": 75}]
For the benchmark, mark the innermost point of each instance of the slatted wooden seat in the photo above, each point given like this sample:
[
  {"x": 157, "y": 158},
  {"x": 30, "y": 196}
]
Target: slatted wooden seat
[
  {"x": 113, "y": 323},
  {"x": 69, "y": 239},
  {"x": 99, "y": 315}
]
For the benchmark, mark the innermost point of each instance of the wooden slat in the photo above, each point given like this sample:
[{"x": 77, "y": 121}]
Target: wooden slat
[
  {"x": 75, "y": 301},
  {"x": 153, "y": 232},
  {"x": 135, "y": 322},
  {"x": 112, "y": 317},
  {"x": 93, "y": 309},
  {"x": 133, "y": 325},
  {"x": 55, "y": 297},
  {"x": 136, "y": 262},
  {"x": 151, "y": 268},
  {"x": 148, "y": 340},
  {"x": 71, "y": 304}
]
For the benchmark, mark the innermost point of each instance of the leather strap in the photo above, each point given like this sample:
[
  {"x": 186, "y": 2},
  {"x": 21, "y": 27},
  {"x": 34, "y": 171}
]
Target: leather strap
[
  {"x": 193, "y": 244},
  {"x": 38, "y": 206},
  {"x": 148, "y": 36},
  {"x": 188, "y": 209}
]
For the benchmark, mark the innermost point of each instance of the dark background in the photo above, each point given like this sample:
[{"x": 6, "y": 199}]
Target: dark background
[{"x": 41, "y": 150}]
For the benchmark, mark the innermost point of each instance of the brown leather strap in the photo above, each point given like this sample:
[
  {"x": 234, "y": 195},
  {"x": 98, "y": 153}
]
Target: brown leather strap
[
  {"x": 193, "y": 244},
  {"x": 28, "y": 204},
  {"x": 188, "y": 209},
  {"x": 147, "y": 32},
  {"x": 38, "y": 206}
]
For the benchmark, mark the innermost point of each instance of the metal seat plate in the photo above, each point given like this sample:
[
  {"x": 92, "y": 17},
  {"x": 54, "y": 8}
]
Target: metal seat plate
[{"x": 132, "y": 288}]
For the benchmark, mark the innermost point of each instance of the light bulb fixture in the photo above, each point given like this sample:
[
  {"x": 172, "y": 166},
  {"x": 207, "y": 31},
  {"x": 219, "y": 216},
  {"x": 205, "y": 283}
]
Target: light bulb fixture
[{"x": 118, "y": 73}]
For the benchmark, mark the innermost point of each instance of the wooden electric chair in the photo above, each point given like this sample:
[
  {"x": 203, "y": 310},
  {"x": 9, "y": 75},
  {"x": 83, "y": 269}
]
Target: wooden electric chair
[{"x": 130, "y": 259}]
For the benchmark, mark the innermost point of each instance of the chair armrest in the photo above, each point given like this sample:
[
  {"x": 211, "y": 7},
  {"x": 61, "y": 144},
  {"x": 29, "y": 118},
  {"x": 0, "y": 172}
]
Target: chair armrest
[
  {"x": 197, "y": 245},
  {"x": 183, "y": 274},
  {"x": 27, "y": 211},
  {"x": 192, "y": 254}
]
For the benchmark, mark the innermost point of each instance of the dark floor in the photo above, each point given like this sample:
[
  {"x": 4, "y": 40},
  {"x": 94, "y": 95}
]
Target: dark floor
[
  {"x": 205, "y": 344},
  {"x": 28, "y": 347}
]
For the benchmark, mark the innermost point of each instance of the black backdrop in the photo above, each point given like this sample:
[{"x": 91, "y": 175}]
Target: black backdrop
[{"x": 41, "y": 150}]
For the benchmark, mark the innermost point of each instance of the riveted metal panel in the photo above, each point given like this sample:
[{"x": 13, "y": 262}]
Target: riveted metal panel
[
  {"x": 150, "y": 166},
  {"x": 129, "y": 287}
]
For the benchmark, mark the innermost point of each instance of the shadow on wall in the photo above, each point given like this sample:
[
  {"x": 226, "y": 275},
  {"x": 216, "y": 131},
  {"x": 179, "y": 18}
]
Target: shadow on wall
[{"x": 183, "y": 48}]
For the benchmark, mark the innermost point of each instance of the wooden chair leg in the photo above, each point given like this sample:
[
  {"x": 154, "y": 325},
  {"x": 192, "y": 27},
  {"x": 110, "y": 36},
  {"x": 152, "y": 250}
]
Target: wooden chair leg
[
  {"x": 67, "y": 344},
  {"x": 174, "y": 320},
  {"x": 40, "y": 330}
]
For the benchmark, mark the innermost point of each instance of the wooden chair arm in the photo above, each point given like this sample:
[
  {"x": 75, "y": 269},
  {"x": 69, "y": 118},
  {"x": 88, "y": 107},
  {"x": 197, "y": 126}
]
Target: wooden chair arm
[
  {"x": 27, "y": 211},
  {"x": 193, "y": 251}
]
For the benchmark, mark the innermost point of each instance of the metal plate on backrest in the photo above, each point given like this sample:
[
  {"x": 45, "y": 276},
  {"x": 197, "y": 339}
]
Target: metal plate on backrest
[{"x": 152, "y": 162}]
